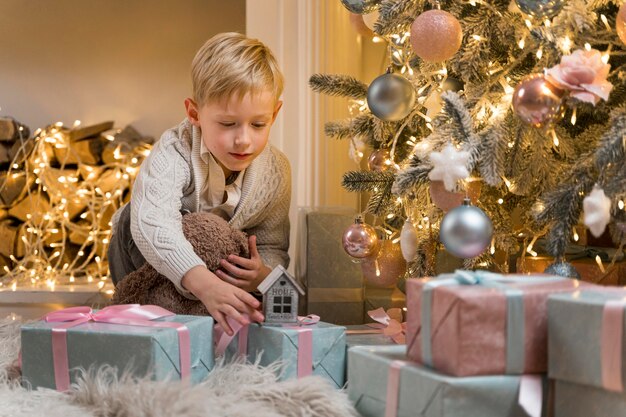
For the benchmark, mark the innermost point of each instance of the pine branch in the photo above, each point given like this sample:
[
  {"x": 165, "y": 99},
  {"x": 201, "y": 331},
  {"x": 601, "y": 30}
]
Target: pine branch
[
  {"x": 338, "y": 85},
  {"x": 462, "y": 122},
  {"x": 396, "y": 15},
  {"x": 410, "y": 178},
  {"x": 612, "y": 143},
  {"x": 482, "y": 261},
  {"x": 492, "y": 151},
  {"x": 338, "y": 129},
  {"x": 359, "y": 181},
  {"x": 374, "y": 130},
  {"x": 563, "y": 205},
  {"x": 380, "y": 200}
]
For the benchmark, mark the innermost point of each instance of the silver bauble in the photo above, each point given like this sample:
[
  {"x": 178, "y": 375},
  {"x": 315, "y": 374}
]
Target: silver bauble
[
  {"x": 562, "y": 269},
  {"x": 360, "y": 240},
  {"x": 360, "y": 6},
  {"x": 541, "y": 8},
  {"x": 466, "y": 231},
  {"x": 391, "y": 97}
]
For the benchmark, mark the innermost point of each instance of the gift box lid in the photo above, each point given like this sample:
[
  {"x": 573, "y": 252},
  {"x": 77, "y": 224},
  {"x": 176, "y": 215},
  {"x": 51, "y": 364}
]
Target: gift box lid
[{"x": 143, "y": 350}]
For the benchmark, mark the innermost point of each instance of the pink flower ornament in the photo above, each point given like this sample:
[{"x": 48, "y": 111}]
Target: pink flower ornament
[{"x": 583, "y": 74}]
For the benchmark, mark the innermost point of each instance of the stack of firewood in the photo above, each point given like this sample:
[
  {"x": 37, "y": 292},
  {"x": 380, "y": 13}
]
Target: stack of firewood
[{"x": 58, "y": 191}]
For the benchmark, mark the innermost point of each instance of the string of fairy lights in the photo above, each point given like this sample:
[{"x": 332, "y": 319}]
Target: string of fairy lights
[{"x": 65, "y": 235}]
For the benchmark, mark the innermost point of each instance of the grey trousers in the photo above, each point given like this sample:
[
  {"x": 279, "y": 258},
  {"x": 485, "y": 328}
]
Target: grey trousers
[{"x": 124, "y": 256}]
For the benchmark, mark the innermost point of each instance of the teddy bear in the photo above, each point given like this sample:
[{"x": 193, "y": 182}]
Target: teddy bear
[{"x": 212, "y": 239}]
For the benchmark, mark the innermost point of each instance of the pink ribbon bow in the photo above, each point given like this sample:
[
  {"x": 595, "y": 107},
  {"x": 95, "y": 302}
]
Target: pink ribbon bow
[
  {"x": 390, "y": 322},
  {"x": 305, "y": 341},
  {"x": 124, "y": 314}
]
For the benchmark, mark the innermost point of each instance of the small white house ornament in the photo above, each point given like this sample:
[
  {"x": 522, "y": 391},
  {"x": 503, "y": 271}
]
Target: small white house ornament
[{"x": 281, "y": 293}]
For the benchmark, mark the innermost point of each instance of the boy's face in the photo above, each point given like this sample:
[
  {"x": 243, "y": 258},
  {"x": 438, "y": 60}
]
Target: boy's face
[{"x": 235, "y": 131}]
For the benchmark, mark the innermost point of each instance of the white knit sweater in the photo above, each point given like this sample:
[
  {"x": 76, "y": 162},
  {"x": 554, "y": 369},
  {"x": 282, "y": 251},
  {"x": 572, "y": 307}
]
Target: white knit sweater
[{"x": 171, "y": 179}]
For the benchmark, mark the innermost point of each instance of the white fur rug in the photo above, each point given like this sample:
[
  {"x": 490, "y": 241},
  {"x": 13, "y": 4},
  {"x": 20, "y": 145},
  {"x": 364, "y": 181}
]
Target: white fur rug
[{"x": 234, "y": 390}]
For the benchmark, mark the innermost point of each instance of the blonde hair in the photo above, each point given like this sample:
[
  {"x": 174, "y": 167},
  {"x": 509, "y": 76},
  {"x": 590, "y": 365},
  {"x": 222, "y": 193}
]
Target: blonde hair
[{"x": 232, "y": 64}]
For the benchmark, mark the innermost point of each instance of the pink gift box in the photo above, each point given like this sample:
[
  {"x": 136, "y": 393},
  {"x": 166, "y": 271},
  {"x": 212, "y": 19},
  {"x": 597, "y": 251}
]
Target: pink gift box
[{"x": 496, "y": 326}]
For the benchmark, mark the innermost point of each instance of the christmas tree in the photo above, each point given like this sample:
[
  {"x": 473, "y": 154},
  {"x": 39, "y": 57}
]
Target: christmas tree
[{"x": 516, "y": 106}]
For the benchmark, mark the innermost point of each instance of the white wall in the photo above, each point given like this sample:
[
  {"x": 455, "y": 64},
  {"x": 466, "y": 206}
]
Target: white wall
[{"x": 96, "y": 60}]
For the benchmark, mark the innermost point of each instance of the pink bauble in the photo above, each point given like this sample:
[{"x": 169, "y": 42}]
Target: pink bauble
[
  {"x": 357, "y": 22},
  {"x": 360, "y": 240},
  {"x": 620, "y": 23},
  {"x": 538, "y": 102},
  {"x": 436, "y": 36},
  {"x": 446, "y": 200},
  {"x": 378, "y": 159},
  {"x": 391, "y": 266}
]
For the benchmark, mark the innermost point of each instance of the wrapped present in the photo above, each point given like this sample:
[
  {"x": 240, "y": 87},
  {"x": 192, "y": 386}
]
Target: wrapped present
[
  {"x": 145, "y": 340},
  {"x": 586, "y": 338},
  {"x": 382, "y": 383},
  {"x": 481, "y": 323},
  {"x": 334, "y": 283},
  {"x": 384, "y": 298},
  {"x": 574, "y": 400},
  {"x": 309, "y": 349}
]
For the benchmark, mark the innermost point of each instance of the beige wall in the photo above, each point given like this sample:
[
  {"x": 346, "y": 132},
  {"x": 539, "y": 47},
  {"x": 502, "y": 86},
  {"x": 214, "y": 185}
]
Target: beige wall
[{"x": 96, "y": 60}]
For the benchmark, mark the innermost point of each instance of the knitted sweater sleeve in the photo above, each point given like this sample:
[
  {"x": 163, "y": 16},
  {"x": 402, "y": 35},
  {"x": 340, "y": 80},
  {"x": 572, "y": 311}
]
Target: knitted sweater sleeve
[
  {"x": 156, "y": 220},
  {"x": 272, "y": 231}
]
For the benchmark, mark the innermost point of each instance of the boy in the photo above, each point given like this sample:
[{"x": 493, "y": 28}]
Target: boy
[{"x": 216, "y": 160}]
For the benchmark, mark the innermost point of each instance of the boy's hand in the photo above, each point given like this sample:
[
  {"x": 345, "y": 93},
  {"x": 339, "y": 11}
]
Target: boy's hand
[
  {"x": 221, "y": 298},
  {"x": 244, "y": 273}
]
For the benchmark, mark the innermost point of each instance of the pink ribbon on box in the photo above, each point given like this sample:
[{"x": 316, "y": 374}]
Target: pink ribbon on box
[
  {"x": 611, "y": 344},
  {"x": 305, "y": 341},
  {"x": 388, "y": 323},
  {"x": 123, "y": 314},
  {"x": 530, "y": 391}
]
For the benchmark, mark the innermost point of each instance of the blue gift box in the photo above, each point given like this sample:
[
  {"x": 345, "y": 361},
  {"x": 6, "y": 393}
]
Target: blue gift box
[
  {"x": 269, "y": 344},
  {"x": 574, "y": 400},
  {"x": 425, "y": 393},
  {"x": 144, "y": 351},
  {"x": 575, "y": 337}
]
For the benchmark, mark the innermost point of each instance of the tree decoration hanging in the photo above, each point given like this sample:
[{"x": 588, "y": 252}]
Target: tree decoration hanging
[
  {"x": 436, "y": 36},
  {"x": 537, "y": 102},
  {"x": 360, "y": 6},
  {"x": 562, "y": 268},
  {"x": 379, "y": 160},
  {"x": 466, "y": 231},
  {"x": 386, "y": 268},
  {"x": 360, "y": 240},
  {"x": 597, "y": 209},
  {"x": 447, "y": 200},
  {"x": 391, "y": 97},
  {"x": 449, "y": 166},
  {"x": 541, "y": 9},
  {"x": 583, "y": 74},
  {"x": 408, "y": 241}
]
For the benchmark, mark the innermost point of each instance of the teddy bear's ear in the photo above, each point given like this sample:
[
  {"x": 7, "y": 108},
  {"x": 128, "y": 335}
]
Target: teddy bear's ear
[{"x": 242, "y": 243}]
